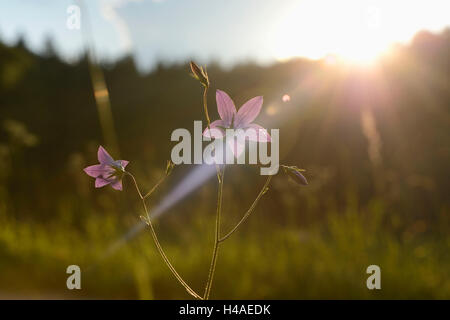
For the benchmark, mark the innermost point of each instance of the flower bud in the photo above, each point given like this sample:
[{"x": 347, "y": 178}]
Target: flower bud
[
  {"x": 295, "y": 174},
  {"x": 199, "y": 74}
]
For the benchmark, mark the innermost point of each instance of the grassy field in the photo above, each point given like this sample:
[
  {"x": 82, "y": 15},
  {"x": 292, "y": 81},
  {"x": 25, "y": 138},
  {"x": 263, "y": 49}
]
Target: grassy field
[{"x": 279, "y": 262}]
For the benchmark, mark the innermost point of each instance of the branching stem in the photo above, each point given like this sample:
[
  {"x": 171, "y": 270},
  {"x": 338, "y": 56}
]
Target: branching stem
[
  {"x": 155, "y": 237},
  {"x": 216, "y": 239},
  {"x": 249, "y": 211}
]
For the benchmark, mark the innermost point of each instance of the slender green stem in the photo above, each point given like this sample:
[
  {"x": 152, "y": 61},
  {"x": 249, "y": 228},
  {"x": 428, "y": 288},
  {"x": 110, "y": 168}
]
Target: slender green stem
[
  {"x": 249, "y": 211},
  {"x": 220, "y": 177},
  {"x": 216, "y": 239},
  {"x": 155, "y": 237},
  {"x": 205, "y": 106},
  {"x": 208, "y": 121},
  {"x": 148, "y": 194}
]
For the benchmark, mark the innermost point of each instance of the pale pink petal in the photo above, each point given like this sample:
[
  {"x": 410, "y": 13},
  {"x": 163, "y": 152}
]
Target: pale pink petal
[
  {"x": 216, "y": 129},
  {"x": 117, "y": 185},
  {"x": 237, "y": 146},
  {"x": 225, "y": 107},
  {"x": 259, "y": 133},
  {"x": 95, "y": 170},
  {"x": 108, "y": 173},
  {"x": 100, "y": 182},
  {"x": 103, "y": 156},
  {"x": 124, "y": 163},
  {"x": 248, "y": 112}
]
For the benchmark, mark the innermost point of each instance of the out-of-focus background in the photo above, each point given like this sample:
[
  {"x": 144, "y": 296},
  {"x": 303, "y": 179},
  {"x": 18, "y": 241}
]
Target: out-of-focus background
[{"x": 360, "y": 91}]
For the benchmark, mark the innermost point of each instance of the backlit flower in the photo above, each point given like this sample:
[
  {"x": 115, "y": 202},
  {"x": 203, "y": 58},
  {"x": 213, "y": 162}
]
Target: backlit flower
[
  {"x": 108, "y": 171},
  {"x": 241, "y": 119}
]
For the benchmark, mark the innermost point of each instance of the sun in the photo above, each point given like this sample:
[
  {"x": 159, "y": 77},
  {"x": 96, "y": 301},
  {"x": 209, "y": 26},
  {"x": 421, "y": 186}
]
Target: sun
[{"x": 356, "y": 31}]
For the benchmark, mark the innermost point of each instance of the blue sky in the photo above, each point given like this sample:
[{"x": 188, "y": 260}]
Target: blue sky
[{"x": 227, "y": 31}]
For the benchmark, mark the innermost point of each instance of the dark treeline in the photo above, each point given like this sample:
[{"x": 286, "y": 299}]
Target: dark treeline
[{"x": 361, "y": 133}]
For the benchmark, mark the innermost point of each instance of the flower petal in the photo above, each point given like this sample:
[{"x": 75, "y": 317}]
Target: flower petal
[
  {"x": 124, "y": 163},
  {"x": 103, "y": 156},
  {"x": 260, "y": 134},
  {"x": 225, "y": 107},
  {"x": 248, "y": 112},
  {"x": 117, "y": 185},
  {"x": 95, "y": 171},
  {"x": 236, "y": 145},
  {"x": 100, "y": 182},
  {"x": 217, "y": 131}
]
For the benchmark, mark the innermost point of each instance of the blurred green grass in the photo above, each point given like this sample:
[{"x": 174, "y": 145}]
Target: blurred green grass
[{"x": 260, "y": 262}]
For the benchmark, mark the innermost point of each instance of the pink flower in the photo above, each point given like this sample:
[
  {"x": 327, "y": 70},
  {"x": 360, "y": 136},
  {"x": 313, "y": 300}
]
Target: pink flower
[
  {"x": 242, "y": 119},
  {"x": 109, "y": 171}
]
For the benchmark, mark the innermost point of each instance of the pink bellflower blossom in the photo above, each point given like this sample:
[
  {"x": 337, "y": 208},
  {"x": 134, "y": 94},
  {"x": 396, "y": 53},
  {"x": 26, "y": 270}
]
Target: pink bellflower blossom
[
  {"x": 108, "y": 171},
  {"x": 241, "y": 121}
]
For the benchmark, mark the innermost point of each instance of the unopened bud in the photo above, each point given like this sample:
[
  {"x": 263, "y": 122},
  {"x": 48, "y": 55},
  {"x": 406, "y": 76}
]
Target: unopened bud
[
  {"x": 199, "y": 74},
  {"x": 295, "y": 174}
]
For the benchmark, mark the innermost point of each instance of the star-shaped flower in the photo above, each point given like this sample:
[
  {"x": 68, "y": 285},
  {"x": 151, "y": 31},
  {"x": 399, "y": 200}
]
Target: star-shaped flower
[
  {"x": 242, "y": 119},
  {"x": 109, "y": 171}
]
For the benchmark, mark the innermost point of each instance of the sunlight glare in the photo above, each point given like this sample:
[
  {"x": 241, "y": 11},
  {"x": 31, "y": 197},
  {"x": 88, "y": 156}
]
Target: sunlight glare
[{"x": 355, "y": 30}]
